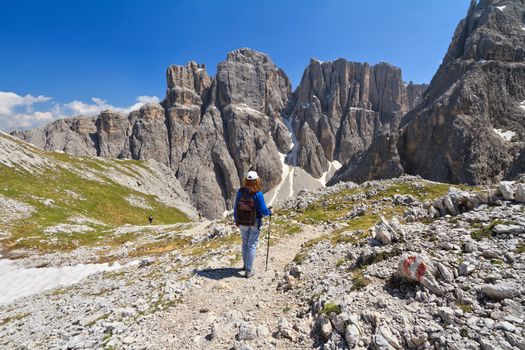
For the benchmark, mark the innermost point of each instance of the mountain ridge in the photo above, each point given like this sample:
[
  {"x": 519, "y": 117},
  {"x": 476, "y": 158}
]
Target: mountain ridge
[
  {"x": 345, "y": 121},
  {"x": 223, "y": 125}
]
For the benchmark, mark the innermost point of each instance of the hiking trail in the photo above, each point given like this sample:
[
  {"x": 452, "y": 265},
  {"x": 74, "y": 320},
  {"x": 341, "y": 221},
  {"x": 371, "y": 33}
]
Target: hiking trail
[{"x": 222, "y": 299}]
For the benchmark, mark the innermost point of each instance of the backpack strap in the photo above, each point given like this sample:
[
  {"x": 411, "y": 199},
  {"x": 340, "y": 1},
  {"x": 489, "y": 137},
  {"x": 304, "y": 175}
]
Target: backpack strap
[{"x": 245, "y": 192}]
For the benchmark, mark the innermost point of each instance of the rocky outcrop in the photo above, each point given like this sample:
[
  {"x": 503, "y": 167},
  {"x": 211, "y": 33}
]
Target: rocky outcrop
[
  {"x": 188, "y": 89},
  {"x": 414, "y": 93},
  {"x": 379, "y": 161},
  {"x": 251, "y": 94},
  {"x": 467, "y": 126},
  {"x": 76, "y": 136},
  {"x": 112, "y": 135},
  {"x": 436, "y": 286},
  {"x": 145, "y": 139},
  {"x": 340, "y": 106},
  {"x": 471, "y": 123},
  {"x": 222, "y": 127},
  {"x": 196, "y": 137}
]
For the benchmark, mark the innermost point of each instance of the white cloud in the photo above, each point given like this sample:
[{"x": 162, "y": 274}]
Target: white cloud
[
  {"x": 81, "y": 108},
  {"x": 20, "y": 112},
  {"x": 9, "y": 101}
]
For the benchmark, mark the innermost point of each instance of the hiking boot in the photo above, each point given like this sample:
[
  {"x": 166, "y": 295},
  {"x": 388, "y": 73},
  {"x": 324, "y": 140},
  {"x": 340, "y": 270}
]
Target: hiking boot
[{"x": 249, "y": 274}]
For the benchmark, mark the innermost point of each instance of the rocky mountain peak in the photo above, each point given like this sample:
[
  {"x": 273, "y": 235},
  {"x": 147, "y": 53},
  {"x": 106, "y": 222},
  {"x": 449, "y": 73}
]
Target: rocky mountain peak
[
  {"x": 250, "y": 78},
  {"x": 471, "y": 120},
  {"x": 338, "y": 108},
  {"x": 492, "y": 30},
  {"x": 247, "y": 55},
  {"x": 186, "y": 86}
]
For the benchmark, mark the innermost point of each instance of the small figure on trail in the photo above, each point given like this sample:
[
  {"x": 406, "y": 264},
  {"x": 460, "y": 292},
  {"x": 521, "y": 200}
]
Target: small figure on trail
[
  {"x": 248, "y": 211},
  {"x": 150, "y": 219},
  {"x": 200, "y": 216}
]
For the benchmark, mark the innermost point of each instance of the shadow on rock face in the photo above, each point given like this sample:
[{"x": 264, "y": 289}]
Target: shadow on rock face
[{"x": 219, "y": 274}]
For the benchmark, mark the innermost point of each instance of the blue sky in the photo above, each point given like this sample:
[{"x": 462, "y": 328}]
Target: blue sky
[{"x": 59, "y": 55}]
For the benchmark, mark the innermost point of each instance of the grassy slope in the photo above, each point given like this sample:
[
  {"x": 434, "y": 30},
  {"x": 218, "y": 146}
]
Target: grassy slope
[{"x": 102, "y": 201}]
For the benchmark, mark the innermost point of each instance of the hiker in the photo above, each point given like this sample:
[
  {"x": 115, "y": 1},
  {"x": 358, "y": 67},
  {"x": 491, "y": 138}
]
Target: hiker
[
  {"x": 248, "y": 211},
  {"x": 150, "y": 219}
]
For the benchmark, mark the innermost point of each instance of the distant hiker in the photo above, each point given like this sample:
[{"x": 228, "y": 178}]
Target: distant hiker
[
  {"x": 248, "y": 211},
  {"x": 150, "y": 219},
  {"x": 200, "y": 216}
]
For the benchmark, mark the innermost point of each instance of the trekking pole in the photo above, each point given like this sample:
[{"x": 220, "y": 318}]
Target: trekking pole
[{"x": 268, "y": 245}]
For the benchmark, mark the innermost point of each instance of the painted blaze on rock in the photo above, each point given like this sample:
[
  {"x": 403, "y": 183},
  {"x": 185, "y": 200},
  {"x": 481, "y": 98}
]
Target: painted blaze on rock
[{"x": 421, "y": 269}]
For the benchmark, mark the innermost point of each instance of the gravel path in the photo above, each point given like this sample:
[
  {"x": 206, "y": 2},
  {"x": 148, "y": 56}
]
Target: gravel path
[{"x": 222, "y": 301}]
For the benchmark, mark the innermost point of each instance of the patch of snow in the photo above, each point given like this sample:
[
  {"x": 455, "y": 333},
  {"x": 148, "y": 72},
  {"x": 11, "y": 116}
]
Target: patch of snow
[
  {"x": 506, "y": 135},
  {"x": 294, "y": 178},
  {"x": 334, "y": 166},
  {"x": 19, "y": 282},
  {"x": 286, "y": 174},
  {"x": 482, "y": 61},
  {"x": 59, "y": 151},
  {"x": 501, "y": 8},
  {"x": 245, "y": 108},
  {"x": 294, "y": 148},
  {"x": 361, "y": 109}
]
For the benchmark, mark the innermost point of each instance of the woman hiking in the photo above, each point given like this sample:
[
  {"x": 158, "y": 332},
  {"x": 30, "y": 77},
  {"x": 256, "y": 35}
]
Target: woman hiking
[{"x": 248, "y": 211}]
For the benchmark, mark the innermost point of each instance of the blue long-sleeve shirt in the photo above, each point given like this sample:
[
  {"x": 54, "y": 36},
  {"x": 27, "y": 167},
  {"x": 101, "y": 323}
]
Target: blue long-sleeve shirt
[{"x": 260, "y": 206}]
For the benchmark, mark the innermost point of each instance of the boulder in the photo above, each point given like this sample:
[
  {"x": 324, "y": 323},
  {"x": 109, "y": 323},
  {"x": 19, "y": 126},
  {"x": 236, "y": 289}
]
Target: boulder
[
  {"x": 421, "y": 269},
  {"x": 325, "y": 326},
  {"x": 247, "y": 331},
  {"x": 388, "y": 232},
  {"x": 500, "y": 291},
  {"x": 508, "y": 229},
  {"x": 352, "y": 335},
  {"x": 284, "y": 329},
  {"x": 445, "y": 272},
  {"x": 383, "y": 235},
  {"x": 520, "y": 193},
  {"x": 506, "y": 191},
  {"x": 446, "y": 314}
]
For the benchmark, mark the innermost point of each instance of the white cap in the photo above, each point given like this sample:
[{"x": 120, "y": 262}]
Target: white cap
[{"x": 252, "y": 175}]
